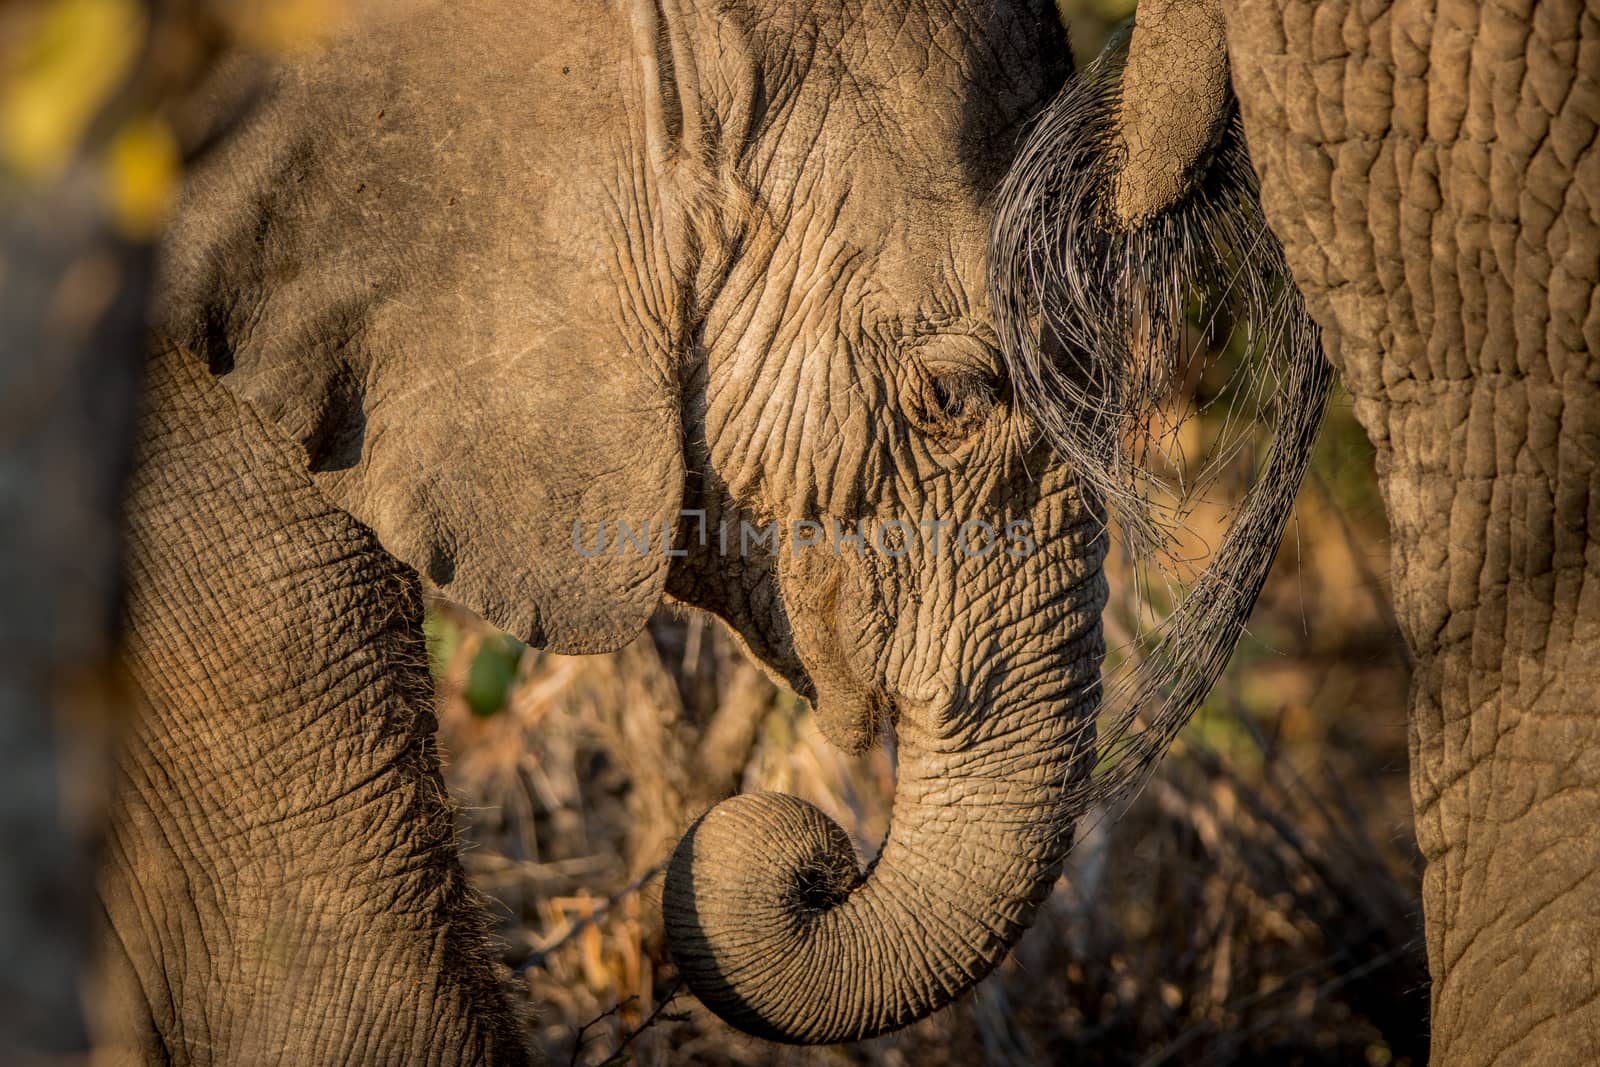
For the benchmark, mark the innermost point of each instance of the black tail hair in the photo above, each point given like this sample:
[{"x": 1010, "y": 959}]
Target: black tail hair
[{"x": 1116, "y": 299}]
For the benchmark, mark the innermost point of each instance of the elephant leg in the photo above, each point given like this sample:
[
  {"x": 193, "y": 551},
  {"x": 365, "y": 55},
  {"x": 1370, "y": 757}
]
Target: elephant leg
[
  {"x": 1498, "y": 586},
  {"x": 1434, "y": 174},
  {"x": 281, "y": 882}
]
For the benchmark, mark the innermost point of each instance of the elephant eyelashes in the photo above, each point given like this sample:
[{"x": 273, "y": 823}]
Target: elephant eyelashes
[{"x": 952, "y": 405}]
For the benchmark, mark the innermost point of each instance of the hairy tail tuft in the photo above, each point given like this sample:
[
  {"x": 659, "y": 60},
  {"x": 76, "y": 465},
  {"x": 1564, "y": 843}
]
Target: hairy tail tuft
[{"x": 1093, "y": 322}]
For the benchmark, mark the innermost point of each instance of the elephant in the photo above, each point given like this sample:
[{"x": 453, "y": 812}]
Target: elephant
[
  {"x": 464, "y": 288},
  {"x": 1431, "y": 172},
  {"x": 450, "y": 293}
]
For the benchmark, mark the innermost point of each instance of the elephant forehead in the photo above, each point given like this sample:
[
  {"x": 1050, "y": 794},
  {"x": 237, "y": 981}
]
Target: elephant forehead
[
  {"x": 910, "y": 107},
  {"x": 955, "y": 73}
]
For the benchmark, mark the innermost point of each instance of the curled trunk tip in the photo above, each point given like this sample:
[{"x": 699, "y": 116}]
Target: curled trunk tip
[
  {"x": 742, "y": 886},
  {"x": 774, "y": 926}
]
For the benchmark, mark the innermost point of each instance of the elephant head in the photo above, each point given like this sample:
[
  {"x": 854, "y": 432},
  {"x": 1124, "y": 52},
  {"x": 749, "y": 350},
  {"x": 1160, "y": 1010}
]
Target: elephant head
[
  {"x": 850, "y": 394},
  {"x": 1103, "y": 231},
  {"x": 715, "y": 277}
]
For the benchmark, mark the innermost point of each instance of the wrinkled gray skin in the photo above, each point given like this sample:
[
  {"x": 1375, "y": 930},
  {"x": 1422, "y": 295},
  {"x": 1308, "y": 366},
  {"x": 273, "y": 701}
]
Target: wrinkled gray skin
[
  {"x": 1435, "y": 179},
  {"x": 483, "y": 272},
  {"x": 280, "y": 878},
  {"x": 1433, "y": 173}
]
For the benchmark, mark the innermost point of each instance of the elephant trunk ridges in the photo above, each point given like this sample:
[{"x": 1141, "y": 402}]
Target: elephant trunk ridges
[
  {"x": 774, "y": 927},
  {"x": 280, "y": 878}
]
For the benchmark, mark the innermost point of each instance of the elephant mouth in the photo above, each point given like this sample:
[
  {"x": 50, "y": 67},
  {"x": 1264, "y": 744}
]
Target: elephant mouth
[{"x": 850, "y": 709}]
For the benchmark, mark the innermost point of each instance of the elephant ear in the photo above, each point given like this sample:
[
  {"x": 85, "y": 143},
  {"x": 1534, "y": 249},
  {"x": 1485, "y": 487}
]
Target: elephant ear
[{"x": 435, "y": 258}]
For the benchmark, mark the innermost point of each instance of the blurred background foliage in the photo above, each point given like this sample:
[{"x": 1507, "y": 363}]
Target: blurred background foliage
[{"x": 102, "y": 78}]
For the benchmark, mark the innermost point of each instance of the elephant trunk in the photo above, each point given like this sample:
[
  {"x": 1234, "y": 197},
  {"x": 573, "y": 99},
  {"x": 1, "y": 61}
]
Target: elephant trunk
[{"x": 773, "y": 926}]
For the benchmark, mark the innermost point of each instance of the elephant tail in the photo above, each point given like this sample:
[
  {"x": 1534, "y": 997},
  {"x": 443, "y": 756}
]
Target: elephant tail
[{"x": 1099, "y": 260}]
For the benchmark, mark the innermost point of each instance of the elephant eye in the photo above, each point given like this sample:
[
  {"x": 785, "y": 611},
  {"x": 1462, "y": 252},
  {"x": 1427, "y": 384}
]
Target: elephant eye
[{"x": 952, "y": 404}]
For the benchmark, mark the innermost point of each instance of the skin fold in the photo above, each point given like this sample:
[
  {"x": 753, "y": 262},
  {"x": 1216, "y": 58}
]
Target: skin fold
[{"x": 1432, "y": 174}]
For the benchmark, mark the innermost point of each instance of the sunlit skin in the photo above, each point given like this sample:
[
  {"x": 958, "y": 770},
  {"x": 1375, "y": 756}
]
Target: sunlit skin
[{"x": 440, "y": 291}]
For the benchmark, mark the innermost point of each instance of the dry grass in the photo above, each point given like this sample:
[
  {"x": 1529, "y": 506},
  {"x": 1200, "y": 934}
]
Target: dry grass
[{"x": 1258, "y": 902}]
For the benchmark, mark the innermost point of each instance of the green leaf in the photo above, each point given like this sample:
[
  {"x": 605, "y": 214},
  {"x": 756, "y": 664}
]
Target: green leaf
[{"x": 492, "y": 673}]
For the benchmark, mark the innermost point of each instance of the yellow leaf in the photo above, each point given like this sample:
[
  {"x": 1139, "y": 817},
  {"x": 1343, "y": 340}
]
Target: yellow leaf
[
  {"x": 71, "y": 56},
  {"x": 141, "y": 174}
]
